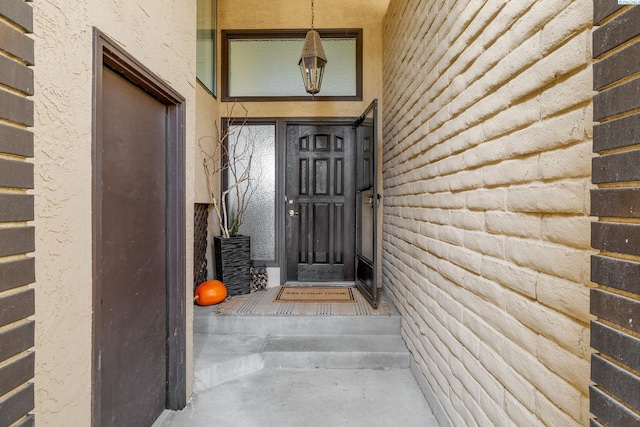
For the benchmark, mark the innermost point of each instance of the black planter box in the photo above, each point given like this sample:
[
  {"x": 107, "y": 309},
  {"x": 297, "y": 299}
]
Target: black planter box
[{"x": 233, "y": 263}]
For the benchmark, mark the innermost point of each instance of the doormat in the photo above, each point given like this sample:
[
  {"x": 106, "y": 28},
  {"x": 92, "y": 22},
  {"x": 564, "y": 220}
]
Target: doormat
[
  {"x": 262, "y": 303},
  {"x": 314, "y": 294}
]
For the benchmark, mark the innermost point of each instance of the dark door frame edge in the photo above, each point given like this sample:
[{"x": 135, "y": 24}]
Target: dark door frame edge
[
  {"x": 107, "y": 53},
  {"x": 372, "y": 294}
]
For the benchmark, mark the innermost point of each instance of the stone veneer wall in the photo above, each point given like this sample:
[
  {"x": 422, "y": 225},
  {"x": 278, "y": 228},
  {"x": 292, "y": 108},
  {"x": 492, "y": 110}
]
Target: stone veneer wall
[
  {"x": 615, "y": 398},
  {"x": 487, "y": 141},
  {"x": 17, "y": 234}
]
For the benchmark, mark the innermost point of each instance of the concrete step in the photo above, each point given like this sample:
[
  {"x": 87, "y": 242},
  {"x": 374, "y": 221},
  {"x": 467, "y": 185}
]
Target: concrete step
[
  {"x": 207, "y": 322},
  {"x": 221, "y": 372},
  {"x": 337, "y": 352},
  {"x": 229, "y": 346},
  {"x": 222, "y": 358}
]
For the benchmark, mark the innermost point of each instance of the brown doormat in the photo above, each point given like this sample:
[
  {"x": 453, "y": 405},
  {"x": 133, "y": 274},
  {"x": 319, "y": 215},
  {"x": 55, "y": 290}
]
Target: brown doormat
[{"x": 314, "y": 294}]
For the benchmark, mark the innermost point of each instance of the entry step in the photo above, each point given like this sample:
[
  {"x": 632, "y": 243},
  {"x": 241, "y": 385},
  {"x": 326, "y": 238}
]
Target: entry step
[
  {"x": 337, "y": 352},
  {"x": 292, "y": 325},
  {"x": 221, "y": 358}
]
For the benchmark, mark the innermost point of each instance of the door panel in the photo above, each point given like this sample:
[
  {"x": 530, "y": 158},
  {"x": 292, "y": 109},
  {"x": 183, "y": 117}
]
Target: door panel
[
  {"x": 320, "y": 189},
  {"x": 133, "y": 310},
  {"x": 367, "y": 201}
]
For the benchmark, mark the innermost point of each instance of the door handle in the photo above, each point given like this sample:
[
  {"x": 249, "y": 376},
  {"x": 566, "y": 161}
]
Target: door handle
[{"x": 293, "y": 213}]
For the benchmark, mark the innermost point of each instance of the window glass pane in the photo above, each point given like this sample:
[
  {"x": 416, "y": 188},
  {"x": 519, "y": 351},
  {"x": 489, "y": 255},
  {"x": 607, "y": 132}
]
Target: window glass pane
[
  {"x": 206, "y": 44},
  {"x": 269, "y": 67},
  {"x": 259, "y": 142}
]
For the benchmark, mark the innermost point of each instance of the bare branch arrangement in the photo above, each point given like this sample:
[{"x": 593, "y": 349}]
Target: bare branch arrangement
[{"x": 230, "y": 158}]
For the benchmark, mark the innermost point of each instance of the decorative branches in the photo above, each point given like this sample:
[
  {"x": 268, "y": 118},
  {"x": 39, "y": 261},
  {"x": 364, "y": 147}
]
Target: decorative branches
[{"x": 230, "y": 158}]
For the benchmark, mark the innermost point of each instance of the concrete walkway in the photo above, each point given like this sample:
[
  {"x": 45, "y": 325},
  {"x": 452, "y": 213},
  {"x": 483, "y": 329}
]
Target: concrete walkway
[
  {"x": 309, "y": 397},
  {"x": 268, "y": 370}
]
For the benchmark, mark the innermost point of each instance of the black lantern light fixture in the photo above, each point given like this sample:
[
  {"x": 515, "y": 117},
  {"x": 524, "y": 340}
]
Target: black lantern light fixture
[{"x": 312, "y": 59}]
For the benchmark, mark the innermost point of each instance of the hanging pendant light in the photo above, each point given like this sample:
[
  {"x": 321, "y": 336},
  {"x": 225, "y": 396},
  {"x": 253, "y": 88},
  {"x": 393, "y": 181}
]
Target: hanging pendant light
[{"x": 312, "y": 59}]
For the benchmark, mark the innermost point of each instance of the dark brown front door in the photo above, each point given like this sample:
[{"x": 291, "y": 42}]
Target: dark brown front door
[
  {"x": 320, "y": 190},
  {"x": 133, "y": 308}
]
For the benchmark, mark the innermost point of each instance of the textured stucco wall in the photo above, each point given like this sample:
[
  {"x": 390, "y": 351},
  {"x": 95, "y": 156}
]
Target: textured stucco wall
[
  {"x": 161, "y": 35},
  {"x": 206, "y": 119},
  {"x": 487, "y": 140}
]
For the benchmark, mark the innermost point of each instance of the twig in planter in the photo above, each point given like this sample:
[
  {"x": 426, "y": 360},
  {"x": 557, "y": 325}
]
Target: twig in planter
[{"x": 232, "y": 156}]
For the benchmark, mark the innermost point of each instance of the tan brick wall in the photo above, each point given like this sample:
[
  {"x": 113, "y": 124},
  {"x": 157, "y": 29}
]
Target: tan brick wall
[{"x": 487, "y": 140}]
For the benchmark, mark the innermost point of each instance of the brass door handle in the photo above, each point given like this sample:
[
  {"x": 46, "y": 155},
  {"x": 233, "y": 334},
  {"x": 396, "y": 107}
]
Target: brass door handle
[{"x": 293, "y": 213}]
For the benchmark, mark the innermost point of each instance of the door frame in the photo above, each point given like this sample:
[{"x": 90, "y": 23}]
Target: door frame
[
  {"x": 281, "y": 208},
  {"x": 107, "y": 53}
]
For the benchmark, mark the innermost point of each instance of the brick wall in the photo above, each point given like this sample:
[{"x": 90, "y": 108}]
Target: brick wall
[
  {"x": 17, "y": 238},
  {"x": 615, "y": 399},
  {"x": 486, "y": 244}
]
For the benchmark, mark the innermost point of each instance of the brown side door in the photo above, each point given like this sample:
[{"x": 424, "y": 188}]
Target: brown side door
[
  {"x": 320, "y": 205},
  {"x": 132, "y": 325}
]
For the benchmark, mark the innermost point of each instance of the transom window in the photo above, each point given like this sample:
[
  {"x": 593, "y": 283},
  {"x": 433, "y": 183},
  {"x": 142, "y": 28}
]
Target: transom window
[{"x": 263, "y": 65}]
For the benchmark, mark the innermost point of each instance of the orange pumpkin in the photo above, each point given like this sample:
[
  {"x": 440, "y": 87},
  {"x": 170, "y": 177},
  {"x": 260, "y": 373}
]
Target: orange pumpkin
[{"x": 210, "y": 292}]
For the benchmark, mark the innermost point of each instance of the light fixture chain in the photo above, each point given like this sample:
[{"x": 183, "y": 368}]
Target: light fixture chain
[{"x": 312, "y": 14}]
